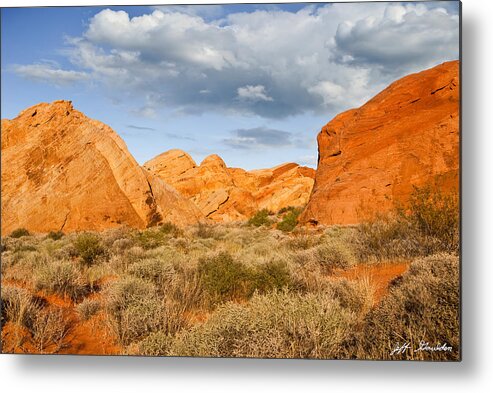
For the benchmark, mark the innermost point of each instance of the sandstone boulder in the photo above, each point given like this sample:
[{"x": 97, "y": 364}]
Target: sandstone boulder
[
  {"x": 233, "y": 194},
  {"x": 64, "y": 171},
  {"x": 370, "y": 158}
]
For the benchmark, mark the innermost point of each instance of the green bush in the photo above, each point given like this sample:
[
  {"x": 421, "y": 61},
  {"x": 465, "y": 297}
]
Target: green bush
[
  {"x": 423, "y": 305},
  {"x": 60, "y": 277},
  {"x": 169, "y": 228},
  {"x": 428, "y": 225},
  {"x": 271, "y": 276},
  {"x": 150, "y": 238},
  {"x": 289, "y": 221},
  {"x": 225, "y": 279},
  {"x": 436, "y": 214},
  {"x": 286, "y": 209},
  {"x": 20, "y": 232},
  {"x": 276, "y": 325},
  {"x": 260, "y": 218},
  {"x": 88, "y": 247},
  {"x": 55, "y": 235}
]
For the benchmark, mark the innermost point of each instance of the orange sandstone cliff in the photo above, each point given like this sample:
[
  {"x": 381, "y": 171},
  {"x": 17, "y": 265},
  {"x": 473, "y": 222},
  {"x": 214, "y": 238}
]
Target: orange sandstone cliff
[
  {"x": 370, "y": 157},
  {"x": 232, "y": 194},
  {"x": 64, "y": 171}
]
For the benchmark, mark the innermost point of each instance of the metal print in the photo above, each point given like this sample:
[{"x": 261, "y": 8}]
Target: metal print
[{"x": 236, "y": 180}]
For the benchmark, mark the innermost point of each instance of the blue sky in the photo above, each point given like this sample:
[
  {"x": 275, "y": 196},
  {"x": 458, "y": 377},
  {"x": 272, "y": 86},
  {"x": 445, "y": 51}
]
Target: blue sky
[{"x": 252, "y": 83}]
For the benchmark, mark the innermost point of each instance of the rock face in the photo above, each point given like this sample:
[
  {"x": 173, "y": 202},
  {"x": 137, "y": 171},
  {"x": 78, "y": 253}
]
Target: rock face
[
  {"x": 232, "y": 194},
  {"x": 372, "y": 156},
  {"x": 64, "y": 171}
]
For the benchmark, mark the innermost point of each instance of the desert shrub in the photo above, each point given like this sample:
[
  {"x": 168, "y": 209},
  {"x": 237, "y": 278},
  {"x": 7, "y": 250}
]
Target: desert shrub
[
  {"x": 60, "y": 277},
  {"x": 271, "y": 276},
  {"x": 386, "y": 237},
  {"x": 150, "y": 238},
  {"x": 55, "y": 235},
  {"x": 279, "y": 324},
  {"x": 261, "y": 218},
  {"x": 134, "y": 308},
  {"x": 224, "y": 278},
  {"x": 120, "y": 245},
  {"x": 334, "y": 254},
  {"x": 301, "y": 241},
  {"x": 20, "y": 265},
  {"x": 18, "y": 306},
  {"x": 94, "y": 276},
  {"x": 19, "y": 232},
  {"x": 49, "y": 329},
  {"x": 24, "y": 243},
  {"x": 156, "y": 344},
  {"x": 356, "y": 296},
  {"x": 289, "y": 220},
  {"x": 155, "y": 270},
  {"x": 436, "y": 214},
  {"x": 205, "y": 231},
  {"x": 428, "y": 225},
  {"x": 89, "y": 247},
  {"x": 169, "y": 228},
  {"x": 187, "y": 288},
  {"x": 286, "y": 209},
  {"x": 423, "y": 305},
  {"x": 111, "y": 235},
  {"x": 88, "y": 308}
]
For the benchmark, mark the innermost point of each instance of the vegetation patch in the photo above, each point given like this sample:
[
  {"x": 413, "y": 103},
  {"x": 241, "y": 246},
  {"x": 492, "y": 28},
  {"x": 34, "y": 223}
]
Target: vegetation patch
[
  {"x": 20, "y": 232},
  {"x": 289, "y": 220},
  {"x": 261, "y": 218},
  {"x": 88, "y": 247}
]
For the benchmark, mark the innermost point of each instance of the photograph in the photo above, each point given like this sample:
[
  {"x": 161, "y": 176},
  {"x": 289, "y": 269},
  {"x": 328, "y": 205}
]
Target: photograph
[{"x": 268, "y": 181}]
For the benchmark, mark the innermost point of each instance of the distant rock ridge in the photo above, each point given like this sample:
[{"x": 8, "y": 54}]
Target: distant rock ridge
[
  {"x": 232, "y": 194},
  {"x": 64, "y": 171},
  {"x": 371, "y": 157}
]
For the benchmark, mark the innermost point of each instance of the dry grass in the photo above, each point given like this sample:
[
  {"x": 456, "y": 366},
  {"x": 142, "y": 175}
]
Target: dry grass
[
  {"x": 244, "y": 290},
  {"x": 422, "y": 306},
  {"x": 279, "y": 325}
]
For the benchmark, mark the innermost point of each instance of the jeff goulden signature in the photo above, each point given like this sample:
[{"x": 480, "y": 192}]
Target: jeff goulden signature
[{"x": 424, "y": 346}]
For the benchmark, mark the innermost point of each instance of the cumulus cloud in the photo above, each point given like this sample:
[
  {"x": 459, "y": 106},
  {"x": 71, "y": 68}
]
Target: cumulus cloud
[
  {"x": 253, "y": 93},
  {"x": 403, "y": 35},
  {"x": 50, "y": 72},
  {"x": 253, "y": 138},
  {"x": 271, "y": 63},
  {"x": 205, "y": 11}
]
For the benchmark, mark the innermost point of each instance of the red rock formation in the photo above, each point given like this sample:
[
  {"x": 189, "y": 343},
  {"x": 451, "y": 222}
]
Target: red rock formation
[
  {"x": 372, "y": 156},
  {"x": 64, "y": 171},
  {"x": 232, "y": 194}
]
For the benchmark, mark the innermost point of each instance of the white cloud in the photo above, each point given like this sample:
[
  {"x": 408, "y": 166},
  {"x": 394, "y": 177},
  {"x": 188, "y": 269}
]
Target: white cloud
[
  {"x": 253, "y": 93},
  {"x": 259, "y": 137},
  {"x": 268, "y": 62},
  {"x": 308, "y": 160},
  {"x": 403, "y": 35},
  {"x": 49, "y": 72},
  {"x": 328, "y": 90}
]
